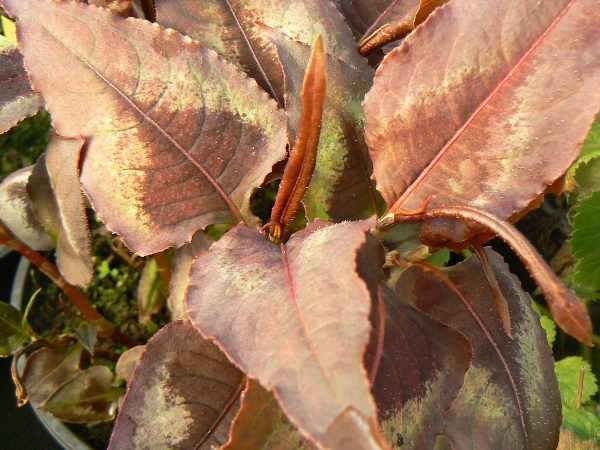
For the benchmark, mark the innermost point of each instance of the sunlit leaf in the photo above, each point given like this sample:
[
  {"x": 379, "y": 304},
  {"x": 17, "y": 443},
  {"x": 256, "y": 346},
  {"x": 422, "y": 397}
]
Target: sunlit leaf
[
  {"x": 17, "y": 214},
  {"x": 492, "y": 129},
  {"x": 295, "y": 317},
  {"x": 87, "y": 397},
  {"x": 177, "y": 138},
  {"x": 57, "y": 202},
  {"x": 182, "y": 390},
  {"x": 17, "y": 100},
  {"x": 510, "y": 396}
]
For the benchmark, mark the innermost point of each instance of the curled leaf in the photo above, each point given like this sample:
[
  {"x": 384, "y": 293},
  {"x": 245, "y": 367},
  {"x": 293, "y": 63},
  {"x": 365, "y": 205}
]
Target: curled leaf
[{"x": 301, "y": 164}]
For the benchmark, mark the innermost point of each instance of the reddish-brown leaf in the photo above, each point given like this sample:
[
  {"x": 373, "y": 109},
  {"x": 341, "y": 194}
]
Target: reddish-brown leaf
[
  {"x": 302, "y": 161},
  {"x": 260, "y": 423},
  {"x": 178, "y": 137},
  {"x": 341, "y": 188},
  {"x": 57, "y": 202},
  {"x": 417, "y": 366},
  {"x": 179, "y": 395},
  {"x": 180, "y": 277},
  {"x": 16, "y": 211},
  {"x": 475, "y": 108},
  {"x": 17, "y": 100},
  {"x": 230, "y": 28},
  {"x": 121, "y": 7},
  {"x": 379, "y": 22},
  {"x": 295, "y": 317},
  {"x": 510, "y": 396}
]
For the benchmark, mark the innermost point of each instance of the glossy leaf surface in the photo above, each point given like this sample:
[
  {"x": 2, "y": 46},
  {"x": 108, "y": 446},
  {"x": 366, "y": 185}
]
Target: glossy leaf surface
[
  {"x": 178, "y": 392},
  {"x": 16, "y": 211},
  {"x": 280, "y": 314},
  {"x": 17, "y": 100},
  {"x": 510, "y": 397},
  {"x": 87, "y": 397},
  {"x": 448, "y": 119},
  {"x": 340, "y": 188},
  {"x": 47, "y": 369},
  {"x": 57, "y": 201},
  {"x": 419, "y": 367},
  {"x": 178, "y": 137}
]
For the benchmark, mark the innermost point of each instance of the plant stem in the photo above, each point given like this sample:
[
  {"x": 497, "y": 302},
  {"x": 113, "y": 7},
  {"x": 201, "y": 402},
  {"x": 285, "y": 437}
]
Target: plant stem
[{"x": 105, "y": 327}]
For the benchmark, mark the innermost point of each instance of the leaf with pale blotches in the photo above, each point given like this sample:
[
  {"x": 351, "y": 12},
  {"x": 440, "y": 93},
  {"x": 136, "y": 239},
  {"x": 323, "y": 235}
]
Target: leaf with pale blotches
[
  {"x": 379, "y": 22},
  {"x": 17, "y": 99},
  {"x": 260, "y": 423},
  {"x": 340, "y": 188},
  {"x": 510, "y": 396},
  {"x": 230, "y": 28},
  {"x": 57, "y": 202},
  {"x": 181, "y": 394},
  {"x": 17, "y": 214},
  {"x": 87, "y": 397},
  {"x": 180, "y": 276},
  {"x": 491, "y": 129},
  {"x": 177, "y": 137},
  {"x": 295, "y": 318},
  {"x": 47, "y": 369},
  {"x": 417, "y": 365}
]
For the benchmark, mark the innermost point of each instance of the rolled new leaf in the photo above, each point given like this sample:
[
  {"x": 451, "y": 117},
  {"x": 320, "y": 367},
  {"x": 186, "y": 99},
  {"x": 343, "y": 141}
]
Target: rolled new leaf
[{"x": 303, "y": 158}]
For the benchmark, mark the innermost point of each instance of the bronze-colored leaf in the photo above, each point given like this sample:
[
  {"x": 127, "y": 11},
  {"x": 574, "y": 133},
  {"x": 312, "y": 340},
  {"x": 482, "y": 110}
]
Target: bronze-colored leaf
[
  {"x": 127, "y": 362},
  {"x": 121, "y": 7},
  {"x": 295, "y": 318},
  {"x": 260, "y": 423},
  {"x": 58, "y": 204},
  {"x": 47, "y": 369},
  {"x": 379, "y": 22},
  {"x": 341, "y": 188},
  {"x": 87, "y": 397},
  {"x": 492, "y": 128},
  {"x": 181, "y": 391},
  {"x": 417, "y": 370},
  {"x": 303, "y": 158},
  {"x": 180, "y": 277},
  {"x": 177, "y": 138},
  {"x": 16, "y": 211},
  {"x": 17, "y": 100},
  {"x": 510, "y": 396},
  {"x": 230, "y": 28}
]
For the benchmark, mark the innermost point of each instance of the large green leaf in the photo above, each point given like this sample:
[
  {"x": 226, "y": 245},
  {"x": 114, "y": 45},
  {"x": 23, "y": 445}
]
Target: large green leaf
[{"x": 586, "y": 244}]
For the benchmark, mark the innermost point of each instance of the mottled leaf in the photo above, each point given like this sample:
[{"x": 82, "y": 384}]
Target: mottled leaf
[
  {"x": 87, "y": 397},
  {"x": 17, "y": 100},
  {"x": 127, "y": 362},
  {"x": 379, "y": 22},
  {"x": 582, "y": 419},
  {"x": 17, "y": 214},
  {"x": 340, "y": 187},
  {"x": 179, "y": 393},
  {"x": 12, "y": 333},
  {"x": 47, "y": 369},
  {"x": 295, "y": 317},
  {"x": 303, "y": 158},
  {"x": 419, "y": 365},
  {"x": 260, "y": 423},
  {"x": 510, "y": 397},
  {"x": 177, "y": 138},
  {"x": 230, "y": 28},
  {"x": 586, "y": 244},
  {"x": 57, "y": 202},
  {"x": 180, "y": 276},
  {"x": 150, "y": 294},
  {"x": 488, "y": 128}
]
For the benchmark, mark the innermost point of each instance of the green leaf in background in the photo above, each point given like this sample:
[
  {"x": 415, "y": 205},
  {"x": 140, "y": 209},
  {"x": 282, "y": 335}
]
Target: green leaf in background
[
  {"x": 440, "y": 258},
  {"x": 550, "y": 328},
  {"x": 583, "y": 176},
  {"x": 586, "y": 244},
  {"x": 12, "y": 333},
  {"x": 584, "y": 421},
  {"x": 591, "y": 145}
]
